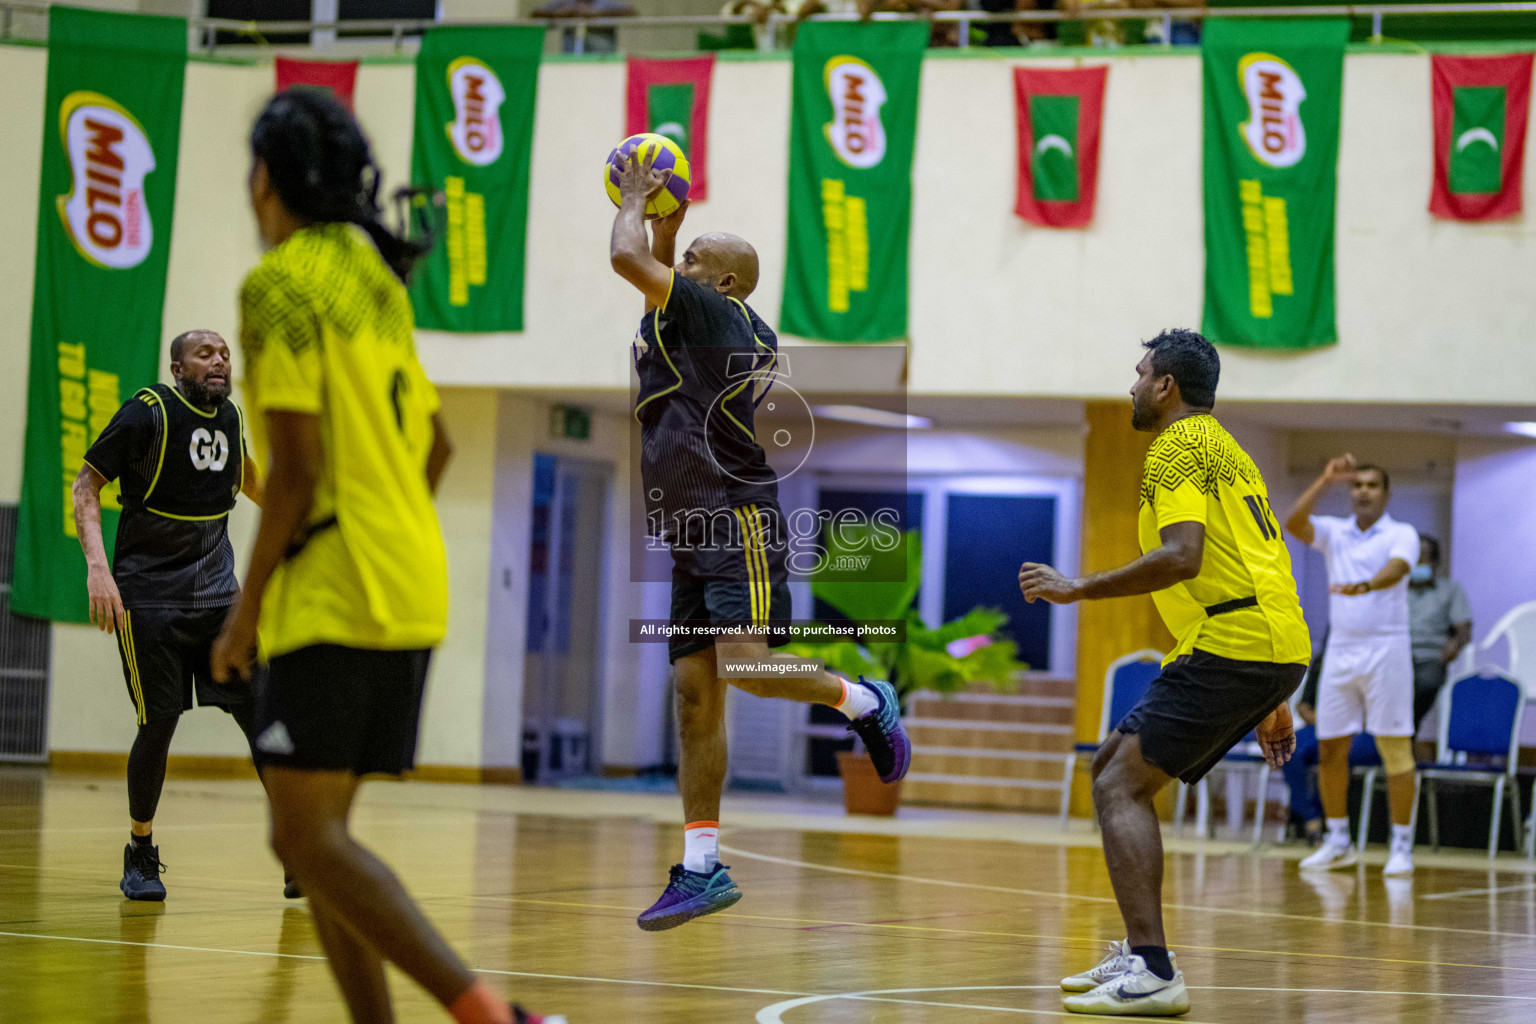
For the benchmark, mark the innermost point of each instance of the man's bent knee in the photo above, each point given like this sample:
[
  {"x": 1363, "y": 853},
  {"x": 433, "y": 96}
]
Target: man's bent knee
[
  {"x": 1105, "y": 752},
  {"x": 1126, "y": 774}
]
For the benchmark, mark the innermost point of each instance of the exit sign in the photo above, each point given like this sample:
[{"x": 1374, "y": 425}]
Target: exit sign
[{"x": 570, "y": 421}]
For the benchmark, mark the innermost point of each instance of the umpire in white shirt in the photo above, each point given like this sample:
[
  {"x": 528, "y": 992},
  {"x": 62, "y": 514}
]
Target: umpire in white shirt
[{"x": 1367, "y": 679}]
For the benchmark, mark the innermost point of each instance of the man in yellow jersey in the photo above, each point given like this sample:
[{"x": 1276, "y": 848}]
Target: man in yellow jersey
[
  {"x": 1216, "y": 566},
  {"x": 348, "y": 578}
]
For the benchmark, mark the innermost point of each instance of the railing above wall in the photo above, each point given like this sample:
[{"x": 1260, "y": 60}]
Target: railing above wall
[{"x": 394, "y": 33}]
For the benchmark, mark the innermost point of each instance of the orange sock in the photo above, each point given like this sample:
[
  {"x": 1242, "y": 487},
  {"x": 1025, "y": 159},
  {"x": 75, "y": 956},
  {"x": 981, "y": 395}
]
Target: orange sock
[{"x": 478, "y": 1006}]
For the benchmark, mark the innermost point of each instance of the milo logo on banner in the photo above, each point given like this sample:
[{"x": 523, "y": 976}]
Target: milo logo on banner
[
  {"x": 857, "y": 94},
  {"x": 109, "y": 156},
  {"x": 477, "y": 94},
  {"x": 1274, "y": 91}
]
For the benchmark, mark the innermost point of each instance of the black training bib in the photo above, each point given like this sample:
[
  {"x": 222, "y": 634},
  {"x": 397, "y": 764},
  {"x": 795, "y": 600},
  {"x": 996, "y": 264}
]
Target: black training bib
[{"x": 201, "y": 459}]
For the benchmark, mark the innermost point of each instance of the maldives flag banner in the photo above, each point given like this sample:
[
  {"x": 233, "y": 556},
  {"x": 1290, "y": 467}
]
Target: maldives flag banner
[
  {"x": 1059, "y": 114},
  {"x": 671, "y": 98},
  {"x": 853, "y": 128},
  {"x": 1272, "y": 98},
  {"x": 1481, "y": 106},
  {"x": 111, "y": 134},
  {"x": 338, "y": 76}
]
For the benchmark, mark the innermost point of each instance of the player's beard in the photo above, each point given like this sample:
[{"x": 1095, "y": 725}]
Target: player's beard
[
  {"x": 205, "y": 395},
  {"x": 1142, "y": 418}
]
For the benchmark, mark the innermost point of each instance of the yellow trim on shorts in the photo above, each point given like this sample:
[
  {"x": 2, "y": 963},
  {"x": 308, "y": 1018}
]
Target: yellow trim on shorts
[
  {"x": 746, "y": 553},
  {"x": 758, "y": 585},
  {"x": 131, "y": 657}
]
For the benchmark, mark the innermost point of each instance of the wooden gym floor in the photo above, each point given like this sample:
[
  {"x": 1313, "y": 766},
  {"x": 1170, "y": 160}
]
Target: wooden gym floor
[{"x": 933, "y": 918}]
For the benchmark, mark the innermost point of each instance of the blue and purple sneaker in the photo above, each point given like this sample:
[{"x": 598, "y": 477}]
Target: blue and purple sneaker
[
  {"x": 690, "y": 894},
  {"x": 882, "y": 733}
]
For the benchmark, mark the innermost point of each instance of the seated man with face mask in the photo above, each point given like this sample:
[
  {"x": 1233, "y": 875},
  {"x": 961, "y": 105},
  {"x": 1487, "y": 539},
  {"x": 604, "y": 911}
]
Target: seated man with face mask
[{"x": 1439, "y": 626}]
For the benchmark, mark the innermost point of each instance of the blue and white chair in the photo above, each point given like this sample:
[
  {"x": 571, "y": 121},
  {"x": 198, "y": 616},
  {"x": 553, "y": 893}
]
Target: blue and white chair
[
  {"x": 1125, "y": 682},
  {"x": 1479, "y": 744}
]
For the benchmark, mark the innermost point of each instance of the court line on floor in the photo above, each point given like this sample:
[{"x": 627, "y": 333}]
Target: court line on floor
[
  {"x": 811, "y": 997},
  {"x": 796, "y": 998},
  {"x": 775, "y": 1014},
  {"x": 961, "y": 932},
  {"x": 1524, "y": 887},
  {"x": 238, "y": 883},
  {"x": 953, "y": 884}
]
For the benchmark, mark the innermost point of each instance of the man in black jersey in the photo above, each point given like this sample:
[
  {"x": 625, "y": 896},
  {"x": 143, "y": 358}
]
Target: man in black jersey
[
  {"x": 705, "y": 359},
  {"x": 180, "y": 454}
]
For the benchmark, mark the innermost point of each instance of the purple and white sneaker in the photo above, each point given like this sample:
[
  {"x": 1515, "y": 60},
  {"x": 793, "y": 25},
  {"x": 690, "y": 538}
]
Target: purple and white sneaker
[{"x": 882, "y": 733}]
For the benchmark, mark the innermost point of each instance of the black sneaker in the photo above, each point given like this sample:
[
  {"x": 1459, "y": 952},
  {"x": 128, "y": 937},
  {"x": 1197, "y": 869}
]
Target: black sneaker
[
  {"x": 141, "y": 872},
  {"x": 522, "y": 1016}
]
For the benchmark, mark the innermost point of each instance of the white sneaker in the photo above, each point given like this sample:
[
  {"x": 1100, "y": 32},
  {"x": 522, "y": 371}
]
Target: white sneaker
[
  {"x": 1399, "y": 863},
  {"x": 1135, "y": 993},
  {"x": 1112, "y": 966},
  {"x": 1331, "y": 855}
]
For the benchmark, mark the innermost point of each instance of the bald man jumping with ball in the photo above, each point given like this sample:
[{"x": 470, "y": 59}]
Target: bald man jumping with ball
[{"x": 705, "y": 359}]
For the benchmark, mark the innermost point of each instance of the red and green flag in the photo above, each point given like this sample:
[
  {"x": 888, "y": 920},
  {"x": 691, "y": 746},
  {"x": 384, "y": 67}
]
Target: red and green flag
[
  {"x": 338, "y": 76},
  {"x": 671, "y": 98},
  {"x": 1059, "y": 113},
  {"x": 1481, "y": 106}
]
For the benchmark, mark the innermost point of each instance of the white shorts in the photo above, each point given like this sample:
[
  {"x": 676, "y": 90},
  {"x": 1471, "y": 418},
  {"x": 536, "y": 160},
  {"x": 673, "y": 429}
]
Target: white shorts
[{"x": 1365, "y": 687}]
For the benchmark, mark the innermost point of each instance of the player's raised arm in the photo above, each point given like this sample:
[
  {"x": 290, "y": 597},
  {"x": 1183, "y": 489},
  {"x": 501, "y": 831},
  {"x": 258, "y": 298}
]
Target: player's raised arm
[
  {"x": 664, "y": 241},
  {"x": 628, "y": 249},
  {"x": 1299, "y": 521}
]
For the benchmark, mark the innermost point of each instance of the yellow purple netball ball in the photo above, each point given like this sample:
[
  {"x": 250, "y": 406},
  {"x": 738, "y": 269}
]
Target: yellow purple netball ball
[{"x": 664, "y": 154}]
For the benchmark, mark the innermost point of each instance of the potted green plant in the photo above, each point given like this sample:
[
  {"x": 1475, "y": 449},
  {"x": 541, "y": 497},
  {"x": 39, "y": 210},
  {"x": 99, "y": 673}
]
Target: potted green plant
[{"x": 926, "y": 659}]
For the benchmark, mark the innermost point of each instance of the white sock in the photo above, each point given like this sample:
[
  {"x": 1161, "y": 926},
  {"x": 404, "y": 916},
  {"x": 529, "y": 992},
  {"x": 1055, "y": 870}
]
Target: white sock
[
  {"x": 701, "y": 846},
  {"x": 1402, "y": 838},
  {"x": 858, "y": 700},
  {"x": 1338, "y": 831}
]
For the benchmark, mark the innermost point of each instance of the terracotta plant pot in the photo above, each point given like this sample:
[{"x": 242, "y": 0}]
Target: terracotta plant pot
[{"x": 863, "y": 792}]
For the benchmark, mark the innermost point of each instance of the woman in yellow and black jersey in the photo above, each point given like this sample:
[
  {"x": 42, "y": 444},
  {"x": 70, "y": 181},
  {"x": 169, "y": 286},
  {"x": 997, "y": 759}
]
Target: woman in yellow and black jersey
[{"x": 348, "y": 580}]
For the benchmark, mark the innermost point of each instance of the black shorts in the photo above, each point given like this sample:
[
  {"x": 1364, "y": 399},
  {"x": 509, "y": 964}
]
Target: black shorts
[
  {"x": 739, "y": 578},
  {"x": 165, "y": 662},
  {"x": 1202, "y": 705},
  {"x": 333, "y": 708}
]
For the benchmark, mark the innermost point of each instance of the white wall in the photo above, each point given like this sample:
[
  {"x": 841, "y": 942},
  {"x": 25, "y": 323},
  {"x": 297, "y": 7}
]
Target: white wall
[
  {"x": 1494, "y": 541},
  {"x": 1493, "y": 549}
]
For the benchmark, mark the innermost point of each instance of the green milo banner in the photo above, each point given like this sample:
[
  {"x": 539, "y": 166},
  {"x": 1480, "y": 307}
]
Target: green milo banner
[
  {"x": 1272, "y": 94},
  {"x": 850, "y": 179},
  {"x": 111, "y": 131},
  {"x": 475, "y": 92}
]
